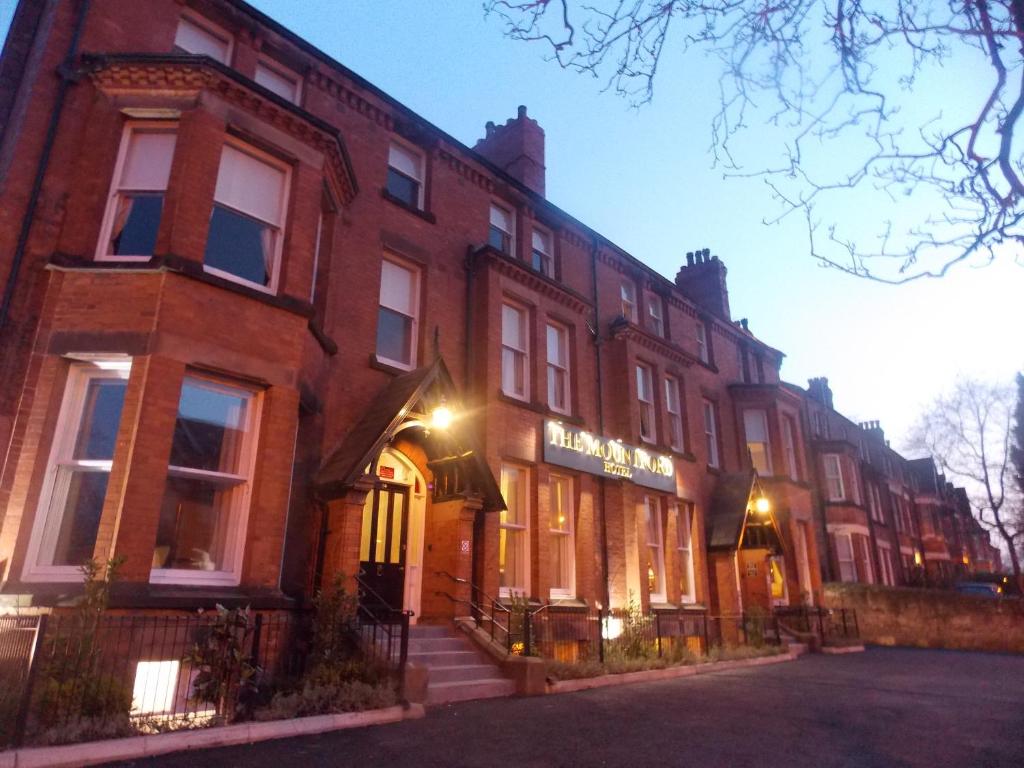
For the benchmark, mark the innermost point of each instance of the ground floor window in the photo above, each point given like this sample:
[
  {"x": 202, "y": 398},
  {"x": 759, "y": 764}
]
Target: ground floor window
[
  {"x": 684, "y": 548},
  {"x": 655, "y": 550},
  {"x": 513, "y": 545},
  {"x": 885, "y": 565},
  {"x": 777, "y": 576},
  {"x": 203, "y": 516},
  {"x": 562, "y": 545},
  {"x": 845, "y": 558}
]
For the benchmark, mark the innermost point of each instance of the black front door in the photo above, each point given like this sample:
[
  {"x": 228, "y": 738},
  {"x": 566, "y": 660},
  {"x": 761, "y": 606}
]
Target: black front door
[{"x": 382, "y": 550}]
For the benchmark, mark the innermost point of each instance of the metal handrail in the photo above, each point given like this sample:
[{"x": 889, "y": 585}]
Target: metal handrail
[
  {"x": 374, "y": 621},
  {"x": 474, "y": 588},
  {"x": 480, "y": 614}
]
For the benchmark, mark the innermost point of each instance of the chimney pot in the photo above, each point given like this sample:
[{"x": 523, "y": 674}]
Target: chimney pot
[
  {"x": 522, "y": 110},
  {"x": 689, "y": 258},
  {"x": 707, "y": 252}
]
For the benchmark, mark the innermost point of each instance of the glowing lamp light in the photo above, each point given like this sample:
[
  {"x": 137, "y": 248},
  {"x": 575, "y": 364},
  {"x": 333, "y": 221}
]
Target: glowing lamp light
[
  {"x": 917, "y": 557},
  {"x": 762, "y": 505},
  {"x": 156, "y": 683},
  {"x": 967, "y": 560},
  {"x": 441, "y": 417},
  {"x": 612, "y": 628}
]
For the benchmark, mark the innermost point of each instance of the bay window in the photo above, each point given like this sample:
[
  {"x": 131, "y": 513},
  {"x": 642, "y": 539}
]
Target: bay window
[
  {"x": 710, "y": 433},
  {"x": 405, "y": 175},
  {"x": 515, "y": 352},
  {"x": 684, "y": 550},
  {"x": 845, "y": 557},
  {"x": 654, "y": 549},
  {"x": 201, "y": 533},
  {"x": 558, "y": 369},
  {"x": 562, "y": 544},
  {"x": 789, "y": 447},
  {"x": 673, "y": 407},
  {"x": 247, "y": 223},
  {"x": 834, "y": 477},
  {"x": 136, "y": 199},
  {"x": 398, "y": 314},
  {"x": 75, "y": 486},
  {"x": 755, "y": 425},
  {"x": 645, "y": 399},
  {"x": 501, "y": 233},
  {"x": 513, "y": 523}
]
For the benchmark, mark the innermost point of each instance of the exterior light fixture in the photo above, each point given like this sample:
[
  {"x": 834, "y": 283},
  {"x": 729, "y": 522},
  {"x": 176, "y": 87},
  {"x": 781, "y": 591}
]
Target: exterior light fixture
[
  {"x": 762, "y": 505},
  {"x": 967, "y": 560},
  {"x": 917, "y": 557},
  {"x": 441, "y": 417}
]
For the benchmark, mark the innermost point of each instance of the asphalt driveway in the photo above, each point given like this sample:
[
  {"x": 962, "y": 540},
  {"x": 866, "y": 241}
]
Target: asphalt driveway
[{"x": 884, "y": 707}]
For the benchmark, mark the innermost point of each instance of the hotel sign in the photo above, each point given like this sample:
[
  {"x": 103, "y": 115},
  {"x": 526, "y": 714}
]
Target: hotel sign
[{"x": 578, "y": 449}]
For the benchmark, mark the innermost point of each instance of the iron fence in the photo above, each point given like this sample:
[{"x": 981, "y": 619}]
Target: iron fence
[{"x": 829, "y": 624}]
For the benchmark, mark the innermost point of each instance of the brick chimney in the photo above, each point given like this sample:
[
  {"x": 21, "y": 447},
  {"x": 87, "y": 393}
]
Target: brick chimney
[
  {"x": 702, "y": 281},
  {"x": 819, "y": 389},
  {"x": 517, "y": 147},
  {"x": 874, "y": 430}
]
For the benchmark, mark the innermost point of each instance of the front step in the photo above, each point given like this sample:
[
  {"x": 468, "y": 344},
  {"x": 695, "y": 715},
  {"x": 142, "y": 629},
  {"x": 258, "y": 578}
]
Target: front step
[
  {"x": 458, "y": 671},
  {"x": 448, "y": 693}
]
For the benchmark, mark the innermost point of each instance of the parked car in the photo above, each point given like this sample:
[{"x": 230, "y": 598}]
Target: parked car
[{"x": 978, "y": 588}]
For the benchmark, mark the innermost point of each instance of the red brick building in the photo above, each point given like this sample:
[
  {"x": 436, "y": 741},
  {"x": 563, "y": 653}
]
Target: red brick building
[{"x": 263, "y": 324}]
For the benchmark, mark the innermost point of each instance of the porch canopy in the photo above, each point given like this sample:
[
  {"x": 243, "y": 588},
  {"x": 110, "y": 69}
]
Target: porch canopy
[
  {"x": 734, "y": 521},
  {"x": 404, "y": 406}
]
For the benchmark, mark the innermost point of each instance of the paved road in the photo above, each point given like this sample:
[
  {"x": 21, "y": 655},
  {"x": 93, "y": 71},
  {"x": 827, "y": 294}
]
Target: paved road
[{"x": 884, "y": 707}]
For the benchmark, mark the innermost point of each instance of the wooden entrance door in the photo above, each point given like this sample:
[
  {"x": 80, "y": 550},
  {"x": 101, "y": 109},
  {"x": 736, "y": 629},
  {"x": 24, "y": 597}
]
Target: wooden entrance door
[{"x": 382, "y": 550}]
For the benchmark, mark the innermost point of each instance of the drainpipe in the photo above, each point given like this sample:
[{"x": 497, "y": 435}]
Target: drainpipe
[
  {"x": 67, "y": 76},
  {"x": 600, "y": 421}
]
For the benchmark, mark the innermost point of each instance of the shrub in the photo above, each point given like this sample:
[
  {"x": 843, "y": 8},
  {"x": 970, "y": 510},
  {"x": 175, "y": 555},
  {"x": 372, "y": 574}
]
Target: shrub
[
  {"x": 226, "y": 675},
  {"x": 316, "y": 698}
]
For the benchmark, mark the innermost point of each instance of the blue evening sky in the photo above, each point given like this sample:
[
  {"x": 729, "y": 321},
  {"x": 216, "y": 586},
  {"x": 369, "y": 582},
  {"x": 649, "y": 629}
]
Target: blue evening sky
[{"x": 644, "y": 179}]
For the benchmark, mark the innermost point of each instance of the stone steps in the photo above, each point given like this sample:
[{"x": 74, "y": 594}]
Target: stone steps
[{"x": 458, "y": 671}]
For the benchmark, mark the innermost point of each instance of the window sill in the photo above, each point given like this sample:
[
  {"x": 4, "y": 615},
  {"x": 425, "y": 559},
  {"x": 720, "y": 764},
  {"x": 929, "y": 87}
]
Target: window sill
[
  {"x": 377, "y": 364},
  {"x": 427, "y": 216},
  {"x": 542, "y": 409}
]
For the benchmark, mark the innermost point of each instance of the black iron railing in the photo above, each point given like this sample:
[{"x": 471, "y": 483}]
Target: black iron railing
[
  {"x": 383, "y": 632},
  {"x": 488, "y": 614},
  {"x": 829, "y": 624}
]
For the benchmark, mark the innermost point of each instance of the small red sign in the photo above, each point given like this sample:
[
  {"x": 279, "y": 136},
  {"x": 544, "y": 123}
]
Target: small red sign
[{"x": 388, "y": 473}]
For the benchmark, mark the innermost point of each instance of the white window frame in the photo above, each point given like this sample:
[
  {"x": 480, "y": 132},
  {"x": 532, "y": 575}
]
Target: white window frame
[
  {"x": 134, "y": 126},
  {"x": 627, "y": 299},
  {"x": 53, "y": 496},
  {"x": 645, "y": 396},
  {"x": 510, "y": 233},
  {"x": 702, "y": 342},
  {"x": 869, "y": 569},
  {"x": 207, "y": 27},
  {"x": 789, "y": 446},
  {"x": 684, "y": 548},
  {"x": 655, "y": 314},
  {"x": 674, "y": 411},
  {"x": 275, "y": 273},
  {"x": 420, "y": 163},
  {"x": 521, "y": 529},
  {"x": 516, "y": 353},
  {"x": 651, "y": 511},
  {"x": 244, "y": 479},
  {"x": 556, "y": 366},
  {"x": 547, "y": 256},
  {"x": 264, "y": 63},
  {"x": 835, "y": 490},
  {"x": 840, "y": 561},
  {"x": 761, "y": 415},
  {"x": 414, "y": 330},
  {"x": 567, "y": 482},
  {"x": 711, "y": 432}
]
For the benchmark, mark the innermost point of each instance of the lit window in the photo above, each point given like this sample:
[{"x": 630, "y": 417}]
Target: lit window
[
  {"x": 702, "y": 342},
  {"x": 684, "y": 547},
  {"x": 515, "y": 353},
  {"x": 834, "y": 477},
  {"x": 844, "y": 554},
  {"x": 674, "y": 409},
  {"x": 500, "y": 235},
  {"x": 405, "y": 175},
  {"x": 156, "y": 687},
  {"x": 627, "y": 293},
  {"x": 205, "y": 506},
  {"x": 655, "y": 314},
  {"x": 246, "y": 226},
  {"x": 398, "y": 315},
  {"x": 563, "y": 569},
  {"x": 645, "y": 398},
  {"x": 755, "y": 425},
  {"x": 541, "y": 257},
  {"x": 279, "y": 80},
  {"x": 137, "y": 194},
  {"x": 655, "y": 551},
  {"x": 558, "y": 369},
  {"x": 513, "y": 553},
  {"x": 777, "y": 578},
  {"x": 75, "y": 485},
  {"x": 789, "y": 446},
  {"x": 710, "y": 433},
  {"x": 202, "y": 38}
]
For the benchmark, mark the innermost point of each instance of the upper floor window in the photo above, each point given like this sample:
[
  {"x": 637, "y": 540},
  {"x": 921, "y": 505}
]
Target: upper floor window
[
  {"x": 201, "y": 533},
  {"x": 515, "y": 352},
  {"x": 203, "y": 37},
  {"x": 405, "y": 175},
  {"x": 501, "y": 234},
  {"x": 247, "y": 224},
  {"x": 684, "y": 549},
  {"x": 645, "y": 399},
  {"x": 558, "y": 368},
  {"x": 398, "y": 314},
  {"x": 278, "y": 79},
  {"x": 541, "y": 258},
  {"x": 655, "y": 550},
  {"x": 513, "y": 529},
  {"x": 137, "y": 194},
  {"x": 75, "y": 484},
  {"x": 702, "y": 342},
  {"x": 674, "y": 410},
  {"x": 627, "y": 294},
  {"x": 655, "y": 314},
  {"x": 789, "y": 447},
  {"x": 755, "y": 425},
  {"x": 563, "y": 565},
  {"x": 834, "y": 477},
  {"x": 710, "y": 433}
]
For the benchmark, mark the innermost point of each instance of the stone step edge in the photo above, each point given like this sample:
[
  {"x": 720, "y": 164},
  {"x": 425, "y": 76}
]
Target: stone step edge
[
  {"x": 470, "y": 683},
  {"x": 134, "y": 747},
  {"x": 670, "y": 673}
]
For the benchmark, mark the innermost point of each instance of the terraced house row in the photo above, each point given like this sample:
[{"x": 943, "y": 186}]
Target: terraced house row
[{"x": 262, "y": 325}]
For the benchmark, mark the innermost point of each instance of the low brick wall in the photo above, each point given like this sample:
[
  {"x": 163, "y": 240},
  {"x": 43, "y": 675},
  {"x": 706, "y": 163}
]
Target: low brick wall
[{"x": 930, "y": 618}]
